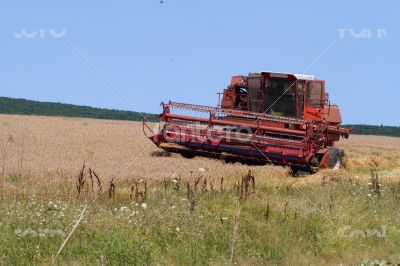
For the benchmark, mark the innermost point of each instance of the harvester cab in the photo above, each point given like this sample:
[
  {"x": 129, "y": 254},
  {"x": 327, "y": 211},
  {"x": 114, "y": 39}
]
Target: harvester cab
[{"x": 265, "y": 117}]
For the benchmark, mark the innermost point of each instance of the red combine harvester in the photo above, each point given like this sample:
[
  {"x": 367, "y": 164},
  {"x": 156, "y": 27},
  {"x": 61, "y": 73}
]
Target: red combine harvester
[{"x": 265, "y": 117}]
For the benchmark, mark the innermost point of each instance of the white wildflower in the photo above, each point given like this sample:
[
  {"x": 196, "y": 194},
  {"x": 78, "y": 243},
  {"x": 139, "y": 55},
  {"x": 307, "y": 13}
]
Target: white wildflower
[{"x": 144, "y": 205}]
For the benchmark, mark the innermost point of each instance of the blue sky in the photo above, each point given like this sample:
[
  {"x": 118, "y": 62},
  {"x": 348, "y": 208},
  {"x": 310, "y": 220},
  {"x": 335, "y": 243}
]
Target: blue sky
[{"x": 188, "y": 50}]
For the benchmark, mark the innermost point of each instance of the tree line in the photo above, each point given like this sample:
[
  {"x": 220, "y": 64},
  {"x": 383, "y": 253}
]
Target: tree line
[
  {"x": 375, "y": 130},
  {"x": 27, "y": 107}
]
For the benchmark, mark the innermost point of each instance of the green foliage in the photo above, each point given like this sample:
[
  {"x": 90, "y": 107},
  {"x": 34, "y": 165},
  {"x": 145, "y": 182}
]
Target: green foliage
[
  {"x": 27, "y": 107},
  {"x": 124, "y": 248},
  {"x": 375, "y": 130}
]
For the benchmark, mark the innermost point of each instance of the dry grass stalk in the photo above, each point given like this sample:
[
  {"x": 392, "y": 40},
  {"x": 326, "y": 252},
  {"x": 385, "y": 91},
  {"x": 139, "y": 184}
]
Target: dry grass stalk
[
  {"x": 165, "y": 184},
  {"x": 191, "y": 196},
  {"x": 204, "y": 186},
  {"x": 331, "y": 204},
  {"x": 111, "y": 189},
  {"x": 266, "y": 216},
  {"x": 141, "y": 192},
  {"x": 247, "y": 180},
  {"x": 131, "y": 190},
  {"x": 145, "y": 189},
  {"x": 99, "y": 184},
  {"x": 222, "y": 185},
  {"x": 285, "y": 210},
  {"x": 81, "y": 180},
  {"x": 192, "y": 203},
  {"x": 188, "y": 190},
  {"x": 375, "y": 184},
  {"x": 196, "y": 183},
  {"x": 236, "y": 188},
  {"x": 91, "y": 178},
  {"x": 177, "y": 181}
]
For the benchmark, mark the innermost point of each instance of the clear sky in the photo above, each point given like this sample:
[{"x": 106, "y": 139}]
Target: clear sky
[{"x": 188, "y": 50}]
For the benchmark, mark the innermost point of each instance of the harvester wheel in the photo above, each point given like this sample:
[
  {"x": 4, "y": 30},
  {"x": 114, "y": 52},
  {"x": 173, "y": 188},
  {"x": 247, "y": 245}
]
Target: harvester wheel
[
  {"x": 294, "y": 170},
  {"x": 335, "y": 158},
  {"x": 188, "y": 155}
]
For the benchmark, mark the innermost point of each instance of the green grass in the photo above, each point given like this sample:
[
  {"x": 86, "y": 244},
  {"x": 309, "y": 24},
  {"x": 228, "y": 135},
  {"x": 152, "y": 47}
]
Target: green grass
[{"x": 121, "y": 231}]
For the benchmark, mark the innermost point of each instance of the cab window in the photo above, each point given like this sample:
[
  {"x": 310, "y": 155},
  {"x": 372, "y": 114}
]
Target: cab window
[
  {"x": 314, "y": 94},
  {"x": 254, "y": 84},
  {"x": 241, "y": 98},
  {"x": 280, "y": 97}
]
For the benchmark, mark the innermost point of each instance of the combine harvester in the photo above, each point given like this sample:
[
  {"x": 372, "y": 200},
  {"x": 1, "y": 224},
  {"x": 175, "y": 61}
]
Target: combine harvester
[{"x": 266, "y": 117}]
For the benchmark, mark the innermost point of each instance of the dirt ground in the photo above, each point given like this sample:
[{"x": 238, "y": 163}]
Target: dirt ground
[{"x": 38, "y": 146}]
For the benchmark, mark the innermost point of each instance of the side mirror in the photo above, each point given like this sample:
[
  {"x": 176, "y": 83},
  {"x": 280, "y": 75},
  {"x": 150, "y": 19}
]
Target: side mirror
[{"x": 327, "y": 98}]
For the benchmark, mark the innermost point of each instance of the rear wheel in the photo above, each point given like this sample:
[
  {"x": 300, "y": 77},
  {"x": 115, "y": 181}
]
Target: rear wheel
[
  {"x": 297, "y": 171},
  {"x": 294, "y": 170},
  {"x": 335, "y": 158}
]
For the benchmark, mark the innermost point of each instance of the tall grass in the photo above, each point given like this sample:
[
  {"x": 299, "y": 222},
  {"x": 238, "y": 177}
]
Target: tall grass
[{"x": 164, "y": 228}]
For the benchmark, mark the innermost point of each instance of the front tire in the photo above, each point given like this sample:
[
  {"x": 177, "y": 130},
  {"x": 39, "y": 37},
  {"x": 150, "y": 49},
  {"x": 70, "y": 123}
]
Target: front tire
[
  {"x": 335, "y": 158},
  {"x": 188, "y": 155}
]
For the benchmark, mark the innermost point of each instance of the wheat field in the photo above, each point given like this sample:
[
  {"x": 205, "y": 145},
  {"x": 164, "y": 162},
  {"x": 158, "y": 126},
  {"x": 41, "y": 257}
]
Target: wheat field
[
  {"x": 42, "y": 146},
  {"x": 156, "y": 214}
]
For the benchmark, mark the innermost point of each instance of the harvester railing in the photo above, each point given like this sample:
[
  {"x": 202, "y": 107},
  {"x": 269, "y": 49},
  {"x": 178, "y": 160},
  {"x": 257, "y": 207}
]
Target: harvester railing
[{"x": 219, "y": 112}]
